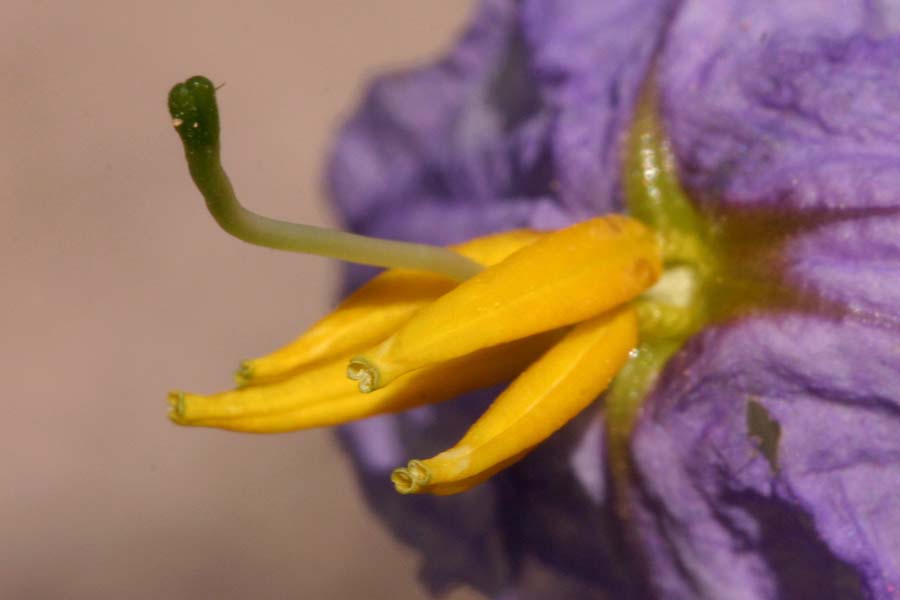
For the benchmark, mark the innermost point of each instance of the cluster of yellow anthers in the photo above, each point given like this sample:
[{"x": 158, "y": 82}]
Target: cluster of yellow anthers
[
  {"x": 552, "y": 310},
  {"x": 551, "y": 307}
]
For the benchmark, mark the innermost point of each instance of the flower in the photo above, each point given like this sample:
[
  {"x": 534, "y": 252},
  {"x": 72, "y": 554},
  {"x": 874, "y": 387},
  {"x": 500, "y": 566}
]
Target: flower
[
  {"x": 764, "y": 462},
  {"x": 748, "y": 446}
]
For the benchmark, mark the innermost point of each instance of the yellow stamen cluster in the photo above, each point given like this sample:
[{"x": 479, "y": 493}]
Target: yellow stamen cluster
[
  {"x": 553, "y": 311},
  {"x": 559, "y": 313},
  {"x": 553, "y": 308}
]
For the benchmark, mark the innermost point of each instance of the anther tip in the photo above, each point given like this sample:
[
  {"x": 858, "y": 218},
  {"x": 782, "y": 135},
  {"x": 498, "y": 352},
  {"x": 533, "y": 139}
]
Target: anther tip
[
  {"x": 420, "y": 473},
  {"x": 176, "y": 406},
  {"x": 244, "y": 374},
  {"x": 412, "y": 478},
  {"x": 403, "y": 482},
  {"x": 365, "y": 373}
]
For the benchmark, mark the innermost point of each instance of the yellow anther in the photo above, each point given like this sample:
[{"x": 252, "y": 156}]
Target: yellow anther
[
  {"x": 365, "y": 318},
  {"x": 553, "y": 390},
  {"x": 376, "y": 310},
  {"x": 565, "y": 277},
  {"x": 320, "y": 382},
  {"x": 300, "y": 402},
  {"x": 414, "y": 479}
]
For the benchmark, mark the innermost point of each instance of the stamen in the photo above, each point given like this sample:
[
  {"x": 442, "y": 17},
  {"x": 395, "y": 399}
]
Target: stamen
[
  {"x": 404, "y": 482},
  {"x": 548, "y": 394},
  {"x": 176, "y": 404},
  {"x": 365, "y": 373},
  {"x": 365, "y": 318},
  {"x": 319, "y": 383},
  {"x": 299, "y": 404},
  {"x": 565, "y": 277},
  {"x": 195, "y": 116},
  {"x": 416, "y": 468},
  {"x": 374, "y": 311}
]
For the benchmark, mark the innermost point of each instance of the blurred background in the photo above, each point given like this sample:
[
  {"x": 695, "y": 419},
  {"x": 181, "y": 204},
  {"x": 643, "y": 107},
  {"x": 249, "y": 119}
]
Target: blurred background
[{"x": 118, "y": 286}]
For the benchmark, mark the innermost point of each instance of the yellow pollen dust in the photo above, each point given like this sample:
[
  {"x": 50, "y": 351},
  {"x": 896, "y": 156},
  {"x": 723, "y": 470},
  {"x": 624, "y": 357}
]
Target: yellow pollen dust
[{"x": 551, "y": 312}]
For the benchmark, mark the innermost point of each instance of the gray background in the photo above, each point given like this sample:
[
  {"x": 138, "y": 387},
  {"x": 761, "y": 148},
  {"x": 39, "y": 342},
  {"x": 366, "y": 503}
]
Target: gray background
[{"x": 117, "y": 286}]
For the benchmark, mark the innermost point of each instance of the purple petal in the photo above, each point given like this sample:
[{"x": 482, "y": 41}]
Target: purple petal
[
  {"x": 466, "y": 132},
  {"x": 590, "y": 59},
  {"x": 855, "y": 262},
  {"x": 817, "y": 519},
  {"x": 793, "y": 105},
  {"x": 460, "y": 536}
]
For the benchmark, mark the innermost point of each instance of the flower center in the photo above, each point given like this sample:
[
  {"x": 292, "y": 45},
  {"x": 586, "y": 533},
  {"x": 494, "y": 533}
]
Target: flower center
[{"x": 719, "y": 265}]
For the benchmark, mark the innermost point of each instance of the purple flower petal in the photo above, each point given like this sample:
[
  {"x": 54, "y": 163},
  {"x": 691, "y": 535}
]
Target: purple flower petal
[
  {"x": 767, "y": 457},
  {"x": 795, "y": 103},
  {"x": 590, "y": 59},
  {"x": 463, "y": 132},
  {"x": 820, "y": 518},
  {"x": 461, "y": 537}
]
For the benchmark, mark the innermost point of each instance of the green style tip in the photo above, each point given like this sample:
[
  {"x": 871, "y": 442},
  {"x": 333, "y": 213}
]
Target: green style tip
[{"x": 195, "y": 115}]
